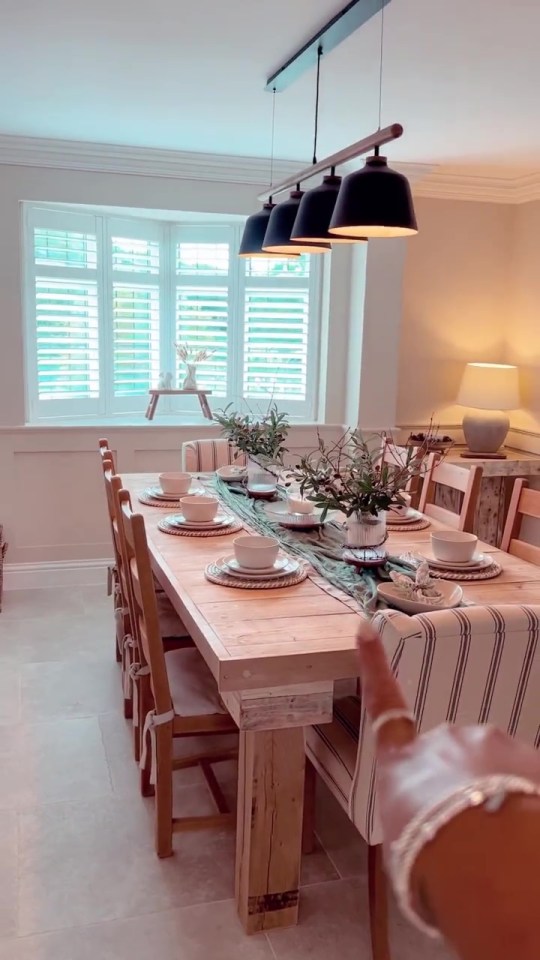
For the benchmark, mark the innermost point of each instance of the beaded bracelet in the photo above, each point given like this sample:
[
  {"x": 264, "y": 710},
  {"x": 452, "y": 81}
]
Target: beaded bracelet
[{"x": 488, "y": 792}]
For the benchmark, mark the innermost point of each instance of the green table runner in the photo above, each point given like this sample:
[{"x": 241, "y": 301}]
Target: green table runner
[{"x": 322, "y": 548}]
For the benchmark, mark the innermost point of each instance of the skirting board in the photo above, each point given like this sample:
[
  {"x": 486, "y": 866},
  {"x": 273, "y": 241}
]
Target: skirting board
[{"x": 60, "y": 573}]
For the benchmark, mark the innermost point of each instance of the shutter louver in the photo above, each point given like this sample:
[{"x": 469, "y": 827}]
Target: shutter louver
[
  {"x": 62, "y": 248},
  {"x": 202, "y": 323},
  {"x": 276, "y": 343},
  {"x": 136, "y": 338},
  {"x": 67, "y": 340}
]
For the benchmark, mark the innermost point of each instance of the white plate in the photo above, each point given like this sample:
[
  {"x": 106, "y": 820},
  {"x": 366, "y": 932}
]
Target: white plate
[
  {"x": 157, "y": 492},
  {"x": 478, "y": 562},
  {"x": 412, "y": 516},
  {"x": 291, "y": 566},
  {"x": 178, "y": 520},
  {"x": 281, "y": 514},
  {"x": 230, "y": 473},
  {"x": 452, "y": 597},
  {"x": 276, "y": 567}
]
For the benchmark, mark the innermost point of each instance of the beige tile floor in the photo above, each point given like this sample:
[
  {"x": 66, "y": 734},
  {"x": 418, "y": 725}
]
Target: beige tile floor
[{"x": 79, "y": 879}]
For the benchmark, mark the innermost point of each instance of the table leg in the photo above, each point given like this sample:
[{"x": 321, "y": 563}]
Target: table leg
[
  {"x": 269, "y": 828},
  {"x": 151, "y": 409},
  {"x": 205, "y": 406}
]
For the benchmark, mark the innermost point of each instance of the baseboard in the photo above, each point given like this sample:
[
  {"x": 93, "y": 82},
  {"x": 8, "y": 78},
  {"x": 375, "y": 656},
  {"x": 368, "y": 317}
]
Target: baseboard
[{"x": 59, "y": 573}]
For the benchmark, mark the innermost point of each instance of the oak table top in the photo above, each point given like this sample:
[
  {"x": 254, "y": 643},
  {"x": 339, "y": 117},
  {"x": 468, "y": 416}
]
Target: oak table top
[{"x": 275, "y": 656}]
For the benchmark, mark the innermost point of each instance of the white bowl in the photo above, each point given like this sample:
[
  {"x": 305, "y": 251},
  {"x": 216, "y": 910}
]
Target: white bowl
[
  {"x": 299, "y": 505},
  {"x": 452, "y": 597},
  {"x": 230, "y": 472},
  {"x": 401, "y": 510},
  {"x": 175, "y": 482},
  {"x": 256, "y": 553},
  {"x": 199, "y": 509},
  {"x": 453, "y": 545}
]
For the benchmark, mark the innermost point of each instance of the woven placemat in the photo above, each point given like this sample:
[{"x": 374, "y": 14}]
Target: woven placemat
[
  {"x": 150, "y": 501},
  {"x": 420, "y": 524},
  {"x": 147, "y": 498},
  {"x": 216, "y": 575},
  {"x": 488, "y": 573},
  {"x": 175, "y": 531}
]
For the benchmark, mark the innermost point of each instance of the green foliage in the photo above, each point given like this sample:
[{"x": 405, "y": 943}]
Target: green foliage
[
  {"x": 261, "y": 438},
  {"x": 351, "y": 475}
]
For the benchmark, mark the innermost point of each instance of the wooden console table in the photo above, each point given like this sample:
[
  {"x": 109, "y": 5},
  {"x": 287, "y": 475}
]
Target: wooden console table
[
  {"x": 156, "y": 394},
  {"x": 497, "y": 482}
]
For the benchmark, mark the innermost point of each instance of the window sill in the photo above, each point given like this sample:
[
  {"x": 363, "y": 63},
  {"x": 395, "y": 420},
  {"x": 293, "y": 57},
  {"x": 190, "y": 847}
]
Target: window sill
[{"x": 134, "y": 422}]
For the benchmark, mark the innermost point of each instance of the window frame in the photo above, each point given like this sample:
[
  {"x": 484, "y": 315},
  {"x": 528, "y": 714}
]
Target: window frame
[{"x": 168, "y": 232}]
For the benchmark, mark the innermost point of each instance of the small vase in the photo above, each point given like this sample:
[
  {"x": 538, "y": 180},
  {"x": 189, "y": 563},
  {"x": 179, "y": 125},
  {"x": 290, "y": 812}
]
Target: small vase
[
  {"x": 260, "y": 482},
  {"x": 190, "y": 380},
  {"x": 366, "y": 531}
]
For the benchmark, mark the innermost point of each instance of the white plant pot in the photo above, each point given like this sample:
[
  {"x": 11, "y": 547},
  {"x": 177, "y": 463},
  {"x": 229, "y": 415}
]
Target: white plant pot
[
  {"x": 260, "y": 482},
  {"x": 366, "y": 531}
]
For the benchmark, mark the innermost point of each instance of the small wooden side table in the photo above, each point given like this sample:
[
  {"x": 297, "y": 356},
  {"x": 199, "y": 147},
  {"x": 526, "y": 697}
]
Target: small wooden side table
[
  {"x": 156, "y": 394},
  {"x": 496, "y": 490}
]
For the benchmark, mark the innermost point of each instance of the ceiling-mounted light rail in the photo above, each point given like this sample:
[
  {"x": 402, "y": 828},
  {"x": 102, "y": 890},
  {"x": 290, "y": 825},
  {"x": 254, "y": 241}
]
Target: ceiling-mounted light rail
[
  {"x": 377, "y": 139},
  {"x": 353, "y": 16}
]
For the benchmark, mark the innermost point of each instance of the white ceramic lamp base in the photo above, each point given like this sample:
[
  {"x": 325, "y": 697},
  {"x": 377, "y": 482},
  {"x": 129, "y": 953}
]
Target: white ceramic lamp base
[{"x": 485, "y": 432}]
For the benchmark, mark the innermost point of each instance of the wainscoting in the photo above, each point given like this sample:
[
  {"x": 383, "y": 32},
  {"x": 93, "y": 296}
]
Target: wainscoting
[{"x": 51, "y": 492}]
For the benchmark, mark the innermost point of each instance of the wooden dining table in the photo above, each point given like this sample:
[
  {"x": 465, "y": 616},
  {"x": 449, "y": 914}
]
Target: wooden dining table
[{"x": 276, "y": 655}]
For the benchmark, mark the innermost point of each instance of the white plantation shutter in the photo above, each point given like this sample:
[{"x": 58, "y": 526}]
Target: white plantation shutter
[
  {"x": 108, "y": 296},
  {"x": 67, "y": 339},
  {"x": 279, "y": 343},
  {"x": 202, "y": 315},
  {"x": 65, "y": 314},
  {"x": 134, "y": 248},
  {"x": 276, "y": 343},
  {"x": 136, "y": 339},
  {"x": 205, "y": 264}
]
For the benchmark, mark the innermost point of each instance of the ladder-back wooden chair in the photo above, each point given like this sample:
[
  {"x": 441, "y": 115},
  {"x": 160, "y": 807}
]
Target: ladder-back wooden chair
[
  {"x": 172, "y": 630},
  {"x": 114, "y": 587},
  {"x": 465, "y": 666},
  {"x": 466, "y": 480},
  {"x": 396, "y": 456},
  {"x": 205, "y": 456},
  {"x": 523, "y": 503},
  {"x": 178, "y": 697}
]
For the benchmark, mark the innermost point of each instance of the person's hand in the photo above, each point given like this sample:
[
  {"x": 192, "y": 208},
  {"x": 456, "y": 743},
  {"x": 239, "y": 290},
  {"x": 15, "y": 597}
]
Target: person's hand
[{"x": 416, "y": 772}]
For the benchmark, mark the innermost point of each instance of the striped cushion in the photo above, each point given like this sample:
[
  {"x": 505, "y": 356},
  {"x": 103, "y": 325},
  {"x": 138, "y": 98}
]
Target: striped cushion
[
  {"x": 466, "y": 666},
  {"x": 205, "y": 456},
  {"x": 332, "y": 748}
]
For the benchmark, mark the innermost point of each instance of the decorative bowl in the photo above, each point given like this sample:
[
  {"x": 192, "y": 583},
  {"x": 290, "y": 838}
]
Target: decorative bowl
[
  {"x": 175, "y": 483},
  {"x": 199, "y": 509},
  {"x": 255, "y": 552},
  {"x": 453, "y": 545}
]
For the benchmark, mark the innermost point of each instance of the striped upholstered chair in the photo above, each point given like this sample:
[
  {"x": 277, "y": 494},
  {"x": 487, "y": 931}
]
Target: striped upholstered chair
[
  {"x": 205, "y": 456},
  {"x": 465, "y": 666}
]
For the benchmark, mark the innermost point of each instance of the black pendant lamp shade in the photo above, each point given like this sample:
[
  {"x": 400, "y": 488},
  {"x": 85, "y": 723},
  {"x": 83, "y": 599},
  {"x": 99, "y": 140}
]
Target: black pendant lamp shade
[
  {"x": 278, "y": 233},
  {"x": 315, "y": 212},
  {"x": 254, "y": 231},
  {"x": 374, "y": 202}
]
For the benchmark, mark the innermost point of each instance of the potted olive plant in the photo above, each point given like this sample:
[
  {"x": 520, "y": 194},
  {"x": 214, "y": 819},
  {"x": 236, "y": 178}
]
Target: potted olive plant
[
  {"x": 262, "y": 438},
  {"x": 352, "y": 476}
]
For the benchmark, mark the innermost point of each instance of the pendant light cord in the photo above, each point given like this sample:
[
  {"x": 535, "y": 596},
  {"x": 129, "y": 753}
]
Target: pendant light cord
[
  {"x": 381, "y": 59},
  {"x": 317, "y": 89},
  {"x": 272, "y": 142}
]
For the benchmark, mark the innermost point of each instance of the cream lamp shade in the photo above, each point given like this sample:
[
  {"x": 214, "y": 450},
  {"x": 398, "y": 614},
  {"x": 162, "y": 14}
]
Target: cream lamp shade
[{"x": 491, "y": 388}]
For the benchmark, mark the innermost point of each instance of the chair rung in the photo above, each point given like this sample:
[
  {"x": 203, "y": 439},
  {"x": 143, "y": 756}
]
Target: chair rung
[
  {"x": 180, "y": 824},
  {"x": 180, "y": 763},
  {"x": 214, "y": 787}
]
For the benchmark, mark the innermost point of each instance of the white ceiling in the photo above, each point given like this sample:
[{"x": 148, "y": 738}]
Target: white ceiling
[{"x": 462, "y": 76}]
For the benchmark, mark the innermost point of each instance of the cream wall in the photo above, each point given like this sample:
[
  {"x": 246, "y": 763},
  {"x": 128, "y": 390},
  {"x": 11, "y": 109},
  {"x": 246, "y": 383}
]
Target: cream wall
[
  {"x": 524, "y": 327},
  {"x": 457, "y": 303}
]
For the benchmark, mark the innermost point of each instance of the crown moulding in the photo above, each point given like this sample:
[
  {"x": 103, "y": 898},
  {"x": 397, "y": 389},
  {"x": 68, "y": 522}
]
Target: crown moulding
[{"x": 428, "y": 181}]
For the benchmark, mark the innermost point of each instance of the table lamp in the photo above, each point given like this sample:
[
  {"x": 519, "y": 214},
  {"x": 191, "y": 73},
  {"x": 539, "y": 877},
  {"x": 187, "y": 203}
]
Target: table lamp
[{"x": 489, "y": 388}]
